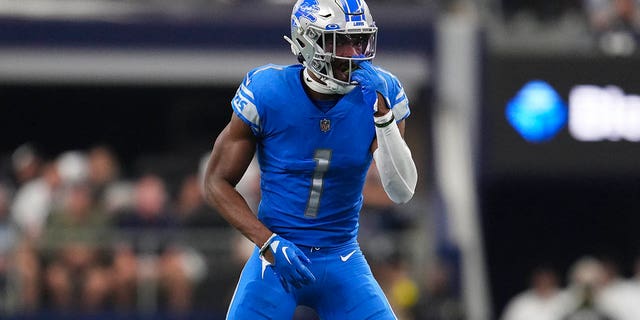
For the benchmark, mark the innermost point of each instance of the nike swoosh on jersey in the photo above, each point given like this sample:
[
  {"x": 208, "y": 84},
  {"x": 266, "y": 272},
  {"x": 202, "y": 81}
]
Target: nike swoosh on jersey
[{"x": 345, "y": 258}]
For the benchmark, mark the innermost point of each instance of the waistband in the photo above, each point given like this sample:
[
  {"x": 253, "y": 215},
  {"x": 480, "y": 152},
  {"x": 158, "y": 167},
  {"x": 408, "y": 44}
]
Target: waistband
[{"x": 354, "y": 244}]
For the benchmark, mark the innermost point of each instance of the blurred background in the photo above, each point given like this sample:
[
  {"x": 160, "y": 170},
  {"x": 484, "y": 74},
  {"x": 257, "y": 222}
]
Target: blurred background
[{"x": 525, "y": 127}]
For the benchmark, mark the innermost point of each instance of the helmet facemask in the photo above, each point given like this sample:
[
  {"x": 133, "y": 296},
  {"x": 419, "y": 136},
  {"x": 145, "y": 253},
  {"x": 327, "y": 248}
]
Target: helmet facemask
[{"x": 337, "y": 52}]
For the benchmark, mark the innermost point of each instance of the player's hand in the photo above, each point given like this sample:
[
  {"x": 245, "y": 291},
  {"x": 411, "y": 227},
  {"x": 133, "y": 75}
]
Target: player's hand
[
  {"x": 290, "y": 264},
  {"x": 371, "y": 83}
]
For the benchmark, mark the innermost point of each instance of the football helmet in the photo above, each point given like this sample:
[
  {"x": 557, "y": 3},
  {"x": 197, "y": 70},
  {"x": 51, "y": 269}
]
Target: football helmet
[{"x": 319, "y": 28}]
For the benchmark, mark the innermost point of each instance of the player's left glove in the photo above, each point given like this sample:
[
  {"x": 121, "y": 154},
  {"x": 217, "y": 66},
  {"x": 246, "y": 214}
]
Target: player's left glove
[
  {"x": 371, "y": 82},
  {"x": 291, "y": 265}
]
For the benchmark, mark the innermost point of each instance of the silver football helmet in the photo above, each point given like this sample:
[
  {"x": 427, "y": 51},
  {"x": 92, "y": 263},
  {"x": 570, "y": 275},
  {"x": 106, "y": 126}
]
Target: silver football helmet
[{"x": 319, "y": 27}]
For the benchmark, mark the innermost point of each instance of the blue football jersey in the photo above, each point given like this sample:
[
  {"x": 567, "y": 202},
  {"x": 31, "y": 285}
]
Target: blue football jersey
[{"x": 313, "y": 164}]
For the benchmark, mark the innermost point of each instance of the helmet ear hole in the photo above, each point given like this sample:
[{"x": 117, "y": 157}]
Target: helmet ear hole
[{"x": 300, "y": 58}]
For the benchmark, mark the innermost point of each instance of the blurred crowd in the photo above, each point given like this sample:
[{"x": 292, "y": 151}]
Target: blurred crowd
[
  {"x": 76, "y": 235},
  {"x": 596, "y": 290},
  {"x": 613, "y": 25}
]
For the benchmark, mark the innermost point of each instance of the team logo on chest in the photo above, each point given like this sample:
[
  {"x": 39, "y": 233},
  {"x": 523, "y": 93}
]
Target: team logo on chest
[{"x": 325, "y": 125}]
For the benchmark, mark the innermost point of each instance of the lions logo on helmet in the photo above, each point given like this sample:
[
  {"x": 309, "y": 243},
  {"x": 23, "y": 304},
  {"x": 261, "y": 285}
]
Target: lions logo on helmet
[
  {"x": 318, "y": 27},
  {"x": 307, "y": 9}
]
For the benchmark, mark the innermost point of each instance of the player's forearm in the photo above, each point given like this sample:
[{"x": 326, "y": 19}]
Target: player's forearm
[
  {"x": 235, "y": 210},
  {"x": 393, "y": 158}
]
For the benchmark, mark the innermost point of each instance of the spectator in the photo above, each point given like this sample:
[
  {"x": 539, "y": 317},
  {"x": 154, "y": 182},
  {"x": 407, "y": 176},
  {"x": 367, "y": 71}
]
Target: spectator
[
  {"x": 197, "y": 220},
  {"x": 148, "y": 253},
  {"x": 103, "y": 173},
  {"x": 607, "y": 15},
  {"x": 75, "y": 239},
  {"x": 542, "y": 301},
  {"x": 618, "y": 297},
  {"x": 34, "y": 200},
  {"x": 586, "y": 278},
  {"x": 29, "y": 211},
  {"x": 615, "y": 24},
  {"x": 191, "y": 208},
  {"x": 73, "y": 167},
  {"x": 26, "y": 164}
]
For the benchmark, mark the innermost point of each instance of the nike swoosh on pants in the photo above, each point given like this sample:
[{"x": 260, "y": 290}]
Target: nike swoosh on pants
[{"x": 345, "y": 258}]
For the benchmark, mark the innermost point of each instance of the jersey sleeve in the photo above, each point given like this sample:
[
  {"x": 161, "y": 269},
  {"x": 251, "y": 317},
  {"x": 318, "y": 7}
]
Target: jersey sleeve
[
  {"x": 245, "y": 104},
  {"x": 400, "y": 103},
  {"x": 397, "y": 97}
]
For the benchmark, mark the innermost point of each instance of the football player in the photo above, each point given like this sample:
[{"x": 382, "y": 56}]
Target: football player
[{"x": 316, "y": 126}]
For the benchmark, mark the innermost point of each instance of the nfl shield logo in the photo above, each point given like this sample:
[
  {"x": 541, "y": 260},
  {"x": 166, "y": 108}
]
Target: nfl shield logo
[{"x": 325, "y": 125}]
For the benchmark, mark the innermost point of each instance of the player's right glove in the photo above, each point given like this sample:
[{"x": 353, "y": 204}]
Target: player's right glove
[
  {"x": 291, "y": 265},
  {"x": 371, "y": 83}
]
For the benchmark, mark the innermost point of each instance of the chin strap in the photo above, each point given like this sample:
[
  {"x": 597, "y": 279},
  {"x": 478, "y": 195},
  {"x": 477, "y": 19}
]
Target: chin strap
[
  {"x": 315, "y": 85},
  {"x": 328, "y": 87}
]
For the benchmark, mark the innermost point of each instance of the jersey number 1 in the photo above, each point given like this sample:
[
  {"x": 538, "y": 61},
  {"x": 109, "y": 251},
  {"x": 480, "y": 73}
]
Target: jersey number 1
[{"x": 322, "y": 157}]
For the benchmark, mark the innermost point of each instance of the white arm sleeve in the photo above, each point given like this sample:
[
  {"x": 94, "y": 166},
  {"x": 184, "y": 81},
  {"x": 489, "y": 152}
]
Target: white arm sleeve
[{"x": 393, "y": 159}]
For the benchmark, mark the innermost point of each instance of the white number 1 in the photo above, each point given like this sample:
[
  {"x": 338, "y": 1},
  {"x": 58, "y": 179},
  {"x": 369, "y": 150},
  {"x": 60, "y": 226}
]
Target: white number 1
[{"x": 322, "y": 157}]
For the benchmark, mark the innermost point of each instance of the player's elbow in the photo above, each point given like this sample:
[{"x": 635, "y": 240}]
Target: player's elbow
[
  {"x": 211, "y": 185},
  {"x": 404, "y": 198},
  {"x": 208, "y": 187},
  {"x": 399, "y": 192}
]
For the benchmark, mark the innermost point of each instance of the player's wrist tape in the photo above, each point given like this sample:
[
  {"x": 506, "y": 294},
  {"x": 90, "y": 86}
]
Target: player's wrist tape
[
  {"x": 266, "y": 244},
  {"x": 384, "y": 120}
]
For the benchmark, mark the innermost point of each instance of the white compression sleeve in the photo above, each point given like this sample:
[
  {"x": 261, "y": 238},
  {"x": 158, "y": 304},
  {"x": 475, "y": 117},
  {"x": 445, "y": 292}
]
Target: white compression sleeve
[{"x": 393, "y": 159}]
